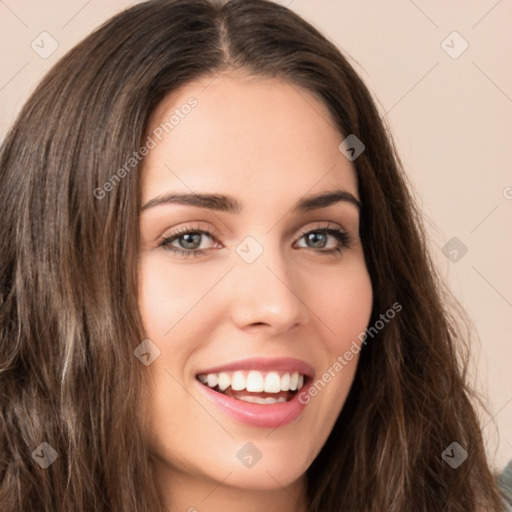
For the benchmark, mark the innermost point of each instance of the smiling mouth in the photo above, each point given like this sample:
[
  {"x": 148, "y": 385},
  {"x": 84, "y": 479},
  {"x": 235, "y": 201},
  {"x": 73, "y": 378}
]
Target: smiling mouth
[{"x": 255, "y": 386}]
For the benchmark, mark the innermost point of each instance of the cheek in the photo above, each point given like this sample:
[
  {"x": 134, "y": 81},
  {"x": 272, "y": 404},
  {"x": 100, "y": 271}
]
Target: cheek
[
  {"x": 168, "y": 293},
  {"x": 343, "y": 306},
  {"x": 176, "y": 308},
  {"x": 158, "y": 309},
  {"x": 164, "y": 299},
  {"x": 343, "y": 302}
]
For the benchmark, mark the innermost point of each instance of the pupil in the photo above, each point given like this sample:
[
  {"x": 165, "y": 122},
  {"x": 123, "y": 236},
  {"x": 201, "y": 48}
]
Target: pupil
[
  {"x": 313, "y": 237},
  {"x": 196, "y": 240}
]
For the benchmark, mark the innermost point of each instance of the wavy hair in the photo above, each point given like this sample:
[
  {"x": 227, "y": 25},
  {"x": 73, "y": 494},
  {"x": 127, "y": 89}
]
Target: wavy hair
[{"x": 70, "y": 320}]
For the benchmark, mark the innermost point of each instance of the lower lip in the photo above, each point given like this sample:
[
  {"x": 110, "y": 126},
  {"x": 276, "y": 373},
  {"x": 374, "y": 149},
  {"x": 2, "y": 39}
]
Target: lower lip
[{"x": 258, "y": 415}]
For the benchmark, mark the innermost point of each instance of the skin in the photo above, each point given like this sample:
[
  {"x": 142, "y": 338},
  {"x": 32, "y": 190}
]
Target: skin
[{"x": 268, "y": 144}]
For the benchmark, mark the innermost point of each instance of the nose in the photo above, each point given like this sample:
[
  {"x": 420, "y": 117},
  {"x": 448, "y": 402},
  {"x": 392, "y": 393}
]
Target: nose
[{"x": 267, "y": 293}]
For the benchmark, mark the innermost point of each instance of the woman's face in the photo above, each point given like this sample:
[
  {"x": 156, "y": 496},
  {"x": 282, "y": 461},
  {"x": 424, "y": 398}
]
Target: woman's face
[{"x": 253, "y": 294}]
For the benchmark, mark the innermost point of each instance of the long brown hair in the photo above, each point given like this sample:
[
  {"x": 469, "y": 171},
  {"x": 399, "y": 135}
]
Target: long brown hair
[{"x": 69, "y": 319}]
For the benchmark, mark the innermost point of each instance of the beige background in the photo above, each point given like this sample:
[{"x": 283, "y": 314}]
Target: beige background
[{"x": 452, "y": 119}]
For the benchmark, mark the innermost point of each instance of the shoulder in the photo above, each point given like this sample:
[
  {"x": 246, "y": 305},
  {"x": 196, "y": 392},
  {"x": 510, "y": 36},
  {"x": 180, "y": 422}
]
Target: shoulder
[{"x": 505, "y": 483}]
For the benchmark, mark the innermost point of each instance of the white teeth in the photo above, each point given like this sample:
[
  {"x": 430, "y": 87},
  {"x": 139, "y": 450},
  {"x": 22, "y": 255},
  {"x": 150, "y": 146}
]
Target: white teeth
[
  {"x": 259, "y": 400},
  {"x": 254, "y": 381},
  {"x": 271, "y": 400},
  {"x": 212, "y": 380},
  {"x": 238, "y": 381},
  {"x": 224, "y": 381},
  {"x": 285, "y": 382},
  {"x": 272, "y": 383},
  {"x": 294, "y": 380},
  {"x": 253, "y": 399}
]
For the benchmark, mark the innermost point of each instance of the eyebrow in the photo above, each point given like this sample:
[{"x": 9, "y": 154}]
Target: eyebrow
[{"x": 223, "y": 203}]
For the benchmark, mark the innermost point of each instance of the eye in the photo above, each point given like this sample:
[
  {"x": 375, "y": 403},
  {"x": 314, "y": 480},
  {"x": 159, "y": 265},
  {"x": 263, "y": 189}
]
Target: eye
[
  {"x": 187, "y": 241},
  {"x": 190, "y": 241},
  {"x": 319, "y": 242}
]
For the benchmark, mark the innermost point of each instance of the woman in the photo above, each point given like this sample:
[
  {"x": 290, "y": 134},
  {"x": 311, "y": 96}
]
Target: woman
[{"x": 216, "y": 292}]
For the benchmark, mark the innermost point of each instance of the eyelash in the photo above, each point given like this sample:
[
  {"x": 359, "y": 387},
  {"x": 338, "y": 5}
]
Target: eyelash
[{"x": 344, "y": 239}]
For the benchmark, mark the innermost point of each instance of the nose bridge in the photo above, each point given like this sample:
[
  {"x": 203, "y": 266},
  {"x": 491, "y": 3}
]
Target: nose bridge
[{"x": 266, "y": 288}]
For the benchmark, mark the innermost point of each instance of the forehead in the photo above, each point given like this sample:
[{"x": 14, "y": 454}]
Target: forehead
[{"x": 236, "y": 132}]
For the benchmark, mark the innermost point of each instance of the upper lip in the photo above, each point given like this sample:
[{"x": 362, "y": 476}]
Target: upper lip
[{"x": 284, "y": 364}]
